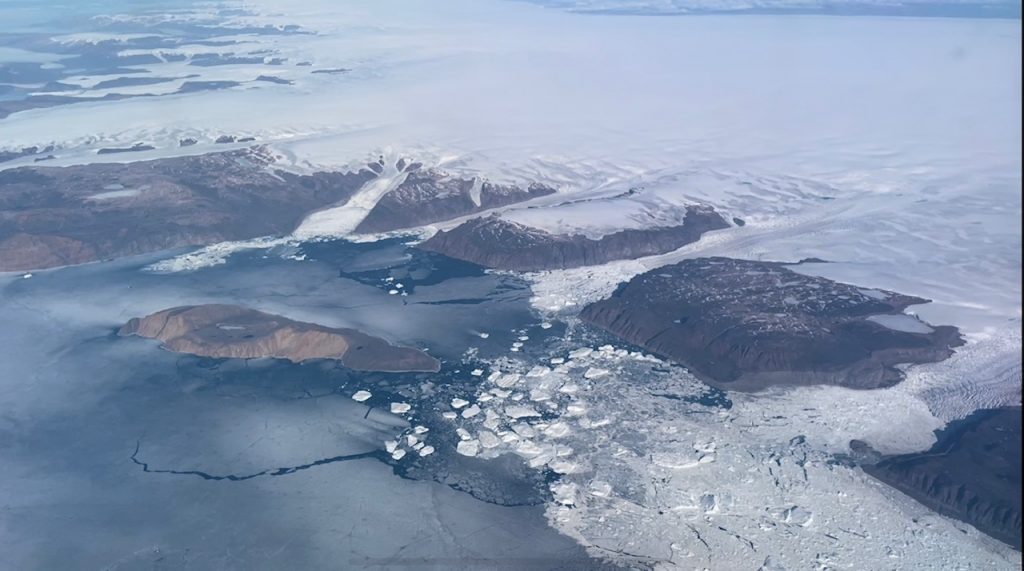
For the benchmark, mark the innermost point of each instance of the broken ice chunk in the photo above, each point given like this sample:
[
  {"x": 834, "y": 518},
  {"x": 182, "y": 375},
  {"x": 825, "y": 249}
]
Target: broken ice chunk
[
  {"x": 558, "y": 430},
  {"x": 398, "y": 454},
  {"x": 420, "y": 429},
  {"x": 477, "y": 372},
  {"x": 580, "y": 353},
  {"x": 519, "y": 411},
  {"x": 426, "y": 450},
  {"x": 528, "y": 448},
  {"x": 449, "y": 415},
  {"x": 538, "y": 371},
  {"x": 468, "y": 447},
  {"x": 524, "y": 430},
  {"x": 488, "y": 439},
  {"x": 471, "y": 412},
  {"x": 539, "y": 395},
  {"x": 492, "y": 422},
  {"x": 506, "y": 380},
  {"x": 400, "y": 407},
  {"x": 594, "y": 372},
  {"x": 459, "y": 403},
  {"x": 575, "y": 409},
  {"x": 675, "y": 460},
  {"x": 361, "y": 396},
  {"x": 563, "y": 466}
]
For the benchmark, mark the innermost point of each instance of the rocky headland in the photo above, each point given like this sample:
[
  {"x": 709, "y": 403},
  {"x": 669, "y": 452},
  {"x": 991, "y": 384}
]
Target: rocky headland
[
  {"x": 501, "y": 244},
  {"x": 746, "y": 325},
  {"x": 972, "y": 473}
]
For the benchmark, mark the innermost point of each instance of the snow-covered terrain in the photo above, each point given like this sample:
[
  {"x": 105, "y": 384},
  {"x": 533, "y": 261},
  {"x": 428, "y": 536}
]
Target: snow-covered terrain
[{"x": 890, "y": 148}]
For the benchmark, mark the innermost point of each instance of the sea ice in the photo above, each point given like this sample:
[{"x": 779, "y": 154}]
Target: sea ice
[
  {"x": 361, "y": 396},
  {"x": 521, "y": 412},
  {"x": 468, "y": 447}
]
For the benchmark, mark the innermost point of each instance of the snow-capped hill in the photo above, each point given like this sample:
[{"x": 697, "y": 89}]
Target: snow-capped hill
[{"x": 433, "y": 195}]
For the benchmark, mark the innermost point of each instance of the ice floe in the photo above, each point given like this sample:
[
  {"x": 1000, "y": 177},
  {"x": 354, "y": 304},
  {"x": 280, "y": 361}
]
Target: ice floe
[{"x": 361, "y": 396}]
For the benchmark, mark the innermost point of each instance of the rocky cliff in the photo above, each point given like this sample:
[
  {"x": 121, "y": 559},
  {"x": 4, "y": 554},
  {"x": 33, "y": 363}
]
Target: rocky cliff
[
  {"x": 234, "y": 332},
  {"x": 497, "y": 243},
  {"x": 973, "y": 473}
]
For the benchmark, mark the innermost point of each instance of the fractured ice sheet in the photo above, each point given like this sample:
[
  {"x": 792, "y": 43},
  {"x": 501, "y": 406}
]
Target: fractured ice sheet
[{"x": 657, "y": 469}]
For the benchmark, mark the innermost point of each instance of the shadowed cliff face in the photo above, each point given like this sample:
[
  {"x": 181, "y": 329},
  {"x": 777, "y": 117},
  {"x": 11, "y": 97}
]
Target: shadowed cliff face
[
  {"x": 428, "y": 196},
  {"x": 231, "y": 331},
  {"x": 973, "y": 473},
  {"x": 746, "y": 325},
  {"x": 497, "y": 243},
  {"x": 56, "y": 216}
]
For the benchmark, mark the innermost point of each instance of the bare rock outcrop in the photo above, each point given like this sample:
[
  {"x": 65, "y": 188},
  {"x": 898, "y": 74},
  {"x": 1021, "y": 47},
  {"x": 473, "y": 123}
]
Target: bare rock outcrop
[
  {"x": 497, "y": 243},
  {"x": 235, "y": 332},
  {"x": 56, "y": 216},
  {"x": 972, "y": 473},
  {"x": 430, "y": 195},
  {"x": 745, "y": 325}
]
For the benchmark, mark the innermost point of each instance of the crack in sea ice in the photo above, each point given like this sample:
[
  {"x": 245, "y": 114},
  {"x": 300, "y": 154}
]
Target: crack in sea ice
[{"x": 376, "y": 454}]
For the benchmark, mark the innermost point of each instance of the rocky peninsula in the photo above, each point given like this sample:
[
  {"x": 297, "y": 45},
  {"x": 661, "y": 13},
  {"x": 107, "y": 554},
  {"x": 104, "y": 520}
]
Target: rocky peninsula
[
  {"x": 501, "y": 244},
  {"x": 746, "y": 325}
]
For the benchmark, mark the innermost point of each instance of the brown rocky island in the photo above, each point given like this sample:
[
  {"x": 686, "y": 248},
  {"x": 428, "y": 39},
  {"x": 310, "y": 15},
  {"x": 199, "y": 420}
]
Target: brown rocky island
[
  {"x": 745, "y": 325},
  {"x": 235, "y": 332}
]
